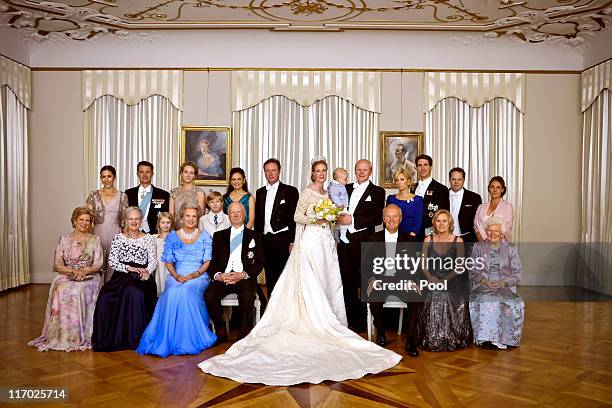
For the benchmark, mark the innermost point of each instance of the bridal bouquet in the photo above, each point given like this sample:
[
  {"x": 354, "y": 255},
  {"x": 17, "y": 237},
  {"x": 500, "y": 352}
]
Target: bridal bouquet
[{"x": 326, "y": 210}]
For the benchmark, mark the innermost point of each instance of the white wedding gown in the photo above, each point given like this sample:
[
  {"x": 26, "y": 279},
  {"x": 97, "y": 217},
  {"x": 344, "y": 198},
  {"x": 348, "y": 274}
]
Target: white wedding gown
[{"x": 303, "y": 336}]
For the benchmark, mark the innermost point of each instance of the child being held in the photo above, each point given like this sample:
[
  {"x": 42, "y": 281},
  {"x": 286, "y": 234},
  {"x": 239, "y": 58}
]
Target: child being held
[{"x": 339, "y": 196}]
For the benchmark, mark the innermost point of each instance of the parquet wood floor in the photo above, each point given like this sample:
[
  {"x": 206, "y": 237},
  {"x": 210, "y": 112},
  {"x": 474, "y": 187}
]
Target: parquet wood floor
[{"x": 565, "y": 361}]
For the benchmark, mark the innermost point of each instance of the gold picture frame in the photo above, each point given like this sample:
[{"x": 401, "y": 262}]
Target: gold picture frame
[
  {"x": 391, "y": 153},
  {"x": 214, "y": 161}
]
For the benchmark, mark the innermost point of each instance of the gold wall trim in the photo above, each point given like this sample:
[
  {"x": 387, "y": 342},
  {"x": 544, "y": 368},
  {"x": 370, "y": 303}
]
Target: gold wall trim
[{"x": 518, "y": 71}]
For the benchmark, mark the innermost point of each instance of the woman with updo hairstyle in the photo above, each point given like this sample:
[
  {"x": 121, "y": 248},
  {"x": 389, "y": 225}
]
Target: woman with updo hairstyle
[
  {"x": 74, "y": 291},
  {"x": 180, "y": 322},
  {"x": 410, "y": 204},
  {"x": 187, "y": 193},
  {"x": 238, "y": 192},
  {"x": 303, "y": 336},
  {"x": 495, "y": 207},
  {"x": 107, "y": 205},
  {"x": 496, "y": 309},
  {"x": 126, "y": 302}
]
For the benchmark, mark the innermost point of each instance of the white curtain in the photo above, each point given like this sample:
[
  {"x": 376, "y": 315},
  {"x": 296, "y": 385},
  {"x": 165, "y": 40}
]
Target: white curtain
[
  {"x": 362, "y": 89},
  {"x": 595, "y": 80},
  {"x": 595, "y": 268},
  {"x": 132, "y": 86},
  {"x": 14, "y": 246},
  {"x": 485, "y": 141},
  {"x": 281, "y": 128},
  {"x": 475, "y": 88},
  {"x": 122, "y": 135}
]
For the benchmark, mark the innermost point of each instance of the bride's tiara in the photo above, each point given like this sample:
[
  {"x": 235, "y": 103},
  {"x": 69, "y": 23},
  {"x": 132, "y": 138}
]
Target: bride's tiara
[{"x": 317, "y": 159}]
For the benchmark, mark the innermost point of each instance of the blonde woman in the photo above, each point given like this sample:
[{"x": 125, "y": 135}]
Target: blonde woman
[
  {"x": 186, "y": 193},
  {"x": 410, "y": 204},
  {"x": 73, "y": 293},
  {"x": 445, "y": 318}
]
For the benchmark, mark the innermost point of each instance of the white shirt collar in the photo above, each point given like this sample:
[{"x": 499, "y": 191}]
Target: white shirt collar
[
  {"x": 389, "y": 235},
  {"x": 426, "y": 181},
  {"x": 459, "y": 193},
  {"x": 363, "y": 185},
  {"x": 147, "y": 189},
  {"x": 237, "y": 230},
  {"x": 272, "y": 186}
]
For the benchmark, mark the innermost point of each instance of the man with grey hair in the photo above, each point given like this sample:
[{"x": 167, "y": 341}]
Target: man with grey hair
[
  {"x": 393, "y": 240},
  {"x": 237, "y": 259},
  {"x": 366, "y": 203}
]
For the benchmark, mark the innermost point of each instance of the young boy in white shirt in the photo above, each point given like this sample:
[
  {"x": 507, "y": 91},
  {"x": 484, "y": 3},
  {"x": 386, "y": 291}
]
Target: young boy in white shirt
[{"x": 216, "y": 219}]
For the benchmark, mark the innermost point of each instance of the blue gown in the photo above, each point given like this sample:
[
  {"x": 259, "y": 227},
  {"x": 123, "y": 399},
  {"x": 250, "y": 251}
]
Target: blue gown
[
  {"x": 412, "y": 213},
  {"x": 180, "y": 321}
]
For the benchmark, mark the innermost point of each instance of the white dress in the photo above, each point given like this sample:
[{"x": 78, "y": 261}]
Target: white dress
[
  {"x": 303, "y": 336},
  {"x": 162, "y": 271}
]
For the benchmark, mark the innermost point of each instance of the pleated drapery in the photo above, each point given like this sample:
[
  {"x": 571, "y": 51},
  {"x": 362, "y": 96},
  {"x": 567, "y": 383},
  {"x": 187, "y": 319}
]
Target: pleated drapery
[
  {"x": 595, "y": 80},
  {"x": 362, "y": 89},
  {"x": 474, "y": 88},
  {"x": 281, "y": 128},
  {"x": 18, "y": 78},
  {"x": 133, "y": 86},
  {"x": 485, "y": 142},
  {"x": 14, "y": 194},
  {"x": 595, "y": 266},
  {"x": 122, "y": 135}
]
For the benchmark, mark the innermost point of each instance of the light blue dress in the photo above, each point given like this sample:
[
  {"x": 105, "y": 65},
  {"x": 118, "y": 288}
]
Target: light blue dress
[{"x": 180, "y": 322}]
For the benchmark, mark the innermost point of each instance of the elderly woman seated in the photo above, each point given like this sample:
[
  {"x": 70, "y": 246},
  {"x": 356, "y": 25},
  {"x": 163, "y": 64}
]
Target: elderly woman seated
[
  {"x": 126, "y": 302},
  {"x": 73, "y": 293},
  {"x": 496, "y": 310}
]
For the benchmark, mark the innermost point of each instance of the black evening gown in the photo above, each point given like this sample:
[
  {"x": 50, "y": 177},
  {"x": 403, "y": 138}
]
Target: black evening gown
[{"x": 125, "y": 305}]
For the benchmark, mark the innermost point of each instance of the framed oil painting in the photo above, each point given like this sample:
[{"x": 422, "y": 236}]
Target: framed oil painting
[
  {"x": 210, "y": 148},
  {"x": 399, "y": 149}
]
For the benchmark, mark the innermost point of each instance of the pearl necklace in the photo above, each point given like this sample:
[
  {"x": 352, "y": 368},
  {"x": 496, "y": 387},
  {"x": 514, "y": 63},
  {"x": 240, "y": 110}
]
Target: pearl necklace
[{"x": 189, "y": 236}]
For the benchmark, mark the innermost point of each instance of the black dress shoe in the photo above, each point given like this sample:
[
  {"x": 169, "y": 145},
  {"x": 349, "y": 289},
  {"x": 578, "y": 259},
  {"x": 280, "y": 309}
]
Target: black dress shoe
[
  {"x": 221, "y": 337},
  {"x": 220, "y": 340},
  {"x": 381, "y": 340},
  {"x": 411, "y": 348},
  {"x": 487, "y": 345}
]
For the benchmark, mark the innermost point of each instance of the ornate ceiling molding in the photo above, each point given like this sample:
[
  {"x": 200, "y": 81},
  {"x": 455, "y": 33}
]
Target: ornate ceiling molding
[
  {"x": 570, "y": 22},
  {"x": 64, "y": 22}
]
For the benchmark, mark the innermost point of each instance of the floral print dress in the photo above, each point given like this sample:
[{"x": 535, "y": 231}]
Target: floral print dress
[{"x": 70, "y": 308}]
